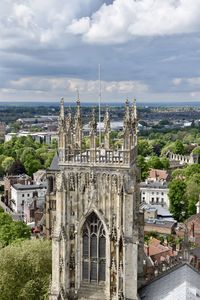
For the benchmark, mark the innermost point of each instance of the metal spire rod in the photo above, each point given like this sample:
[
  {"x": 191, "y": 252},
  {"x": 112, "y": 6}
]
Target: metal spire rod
[{"x": 99, "y": 105}]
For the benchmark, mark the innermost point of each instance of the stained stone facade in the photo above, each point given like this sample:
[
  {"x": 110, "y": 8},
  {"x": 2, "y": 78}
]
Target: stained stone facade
[{"x": 98, "y": 232}]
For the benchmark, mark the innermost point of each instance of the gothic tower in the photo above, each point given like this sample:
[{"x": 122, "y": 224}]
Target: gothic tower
[{"x": 96, "y": 252}]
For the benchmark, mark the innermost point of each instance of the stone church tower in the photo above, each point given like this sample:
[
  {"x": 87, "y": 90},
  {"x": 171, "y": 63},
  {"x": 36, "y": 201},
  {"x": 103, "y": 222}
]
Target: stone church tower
[{"x": 97, "y": 249}]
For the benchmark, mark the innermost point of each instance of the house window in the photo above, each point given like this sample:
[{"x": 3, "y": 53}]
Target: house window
[
  {"x": 22, "y": 195},
  {"x": 143, "y": 193},
  {"x": 162, "y": 200},
  {"x": 152, "y": 193},
  {"x": 143, "y": 198},
  {"x": 162, "y": 193},
  {"x": 28, "y": 195},
  {"x": 157, "y": 193},
  {"x": 152, "y": 200},
  {"x": 157, "y": 200}
]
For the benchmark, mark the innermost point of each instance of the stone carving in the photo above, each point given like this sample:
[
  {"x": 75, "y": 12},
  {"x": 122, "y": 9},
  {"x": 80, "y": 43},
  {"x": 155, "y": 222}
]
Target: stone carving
[
  {"x": 71, "y": 182},
  {"x": 60, "y": 182},
  {"x": 114, "y": 229},
  {"x": 72, "y": 232}
]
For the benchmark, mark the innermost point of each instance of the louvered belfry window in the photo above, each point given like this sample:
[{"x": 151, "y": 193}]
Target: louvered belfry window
[{"x": 94, "y": 250}]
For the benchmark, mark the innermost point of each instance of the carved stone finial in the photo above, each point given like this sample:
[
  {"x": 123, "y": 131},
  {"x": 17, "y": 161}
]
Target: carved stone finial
[
  {"x": 107, "y": 121},
  {"x": 78, "y": 98},
  {"x": 134, "y": 112},
  {"x": 93, "y": 123},
  {"x": 127, "y": 114},
  {"x": 62, "y": 109},
  {"x": 78, "y": 124}
]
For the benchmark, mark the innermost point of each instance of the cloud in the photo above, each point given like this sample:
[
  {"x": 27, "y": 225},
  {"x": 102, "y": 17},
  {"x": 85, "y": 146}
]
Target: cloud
[
  {"x": 192, "y": 82},
  {"x": 71, "y": 85},
  {"x": 125, "y": 19},
  {"x": 35, "y": 24},
  {"x": 177, "y": 81}
]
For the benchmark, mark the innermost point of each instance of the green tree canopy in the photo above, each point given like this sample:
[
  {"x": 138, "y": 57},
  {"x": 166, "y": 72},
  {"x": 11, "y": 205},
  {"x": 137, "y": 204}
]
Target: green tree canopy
[
  {"x": 25, "y": 270},
  {"x": 179, "y": 147},
  {"x": 154, "y": 162},
  {"x": 142, "y": 164},
  {"x": 178, "y": 200},
  {"x": 11, "y": 231},
  {"x": 7, "y": 163},
  {"x": 144, "y": 148}
]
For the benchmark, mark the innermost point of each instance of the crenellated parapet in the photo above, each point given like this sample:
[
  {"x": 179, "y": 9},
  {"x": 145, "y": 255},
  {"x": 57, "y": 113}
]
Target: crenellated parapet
[{"x": 70, "y": 139}]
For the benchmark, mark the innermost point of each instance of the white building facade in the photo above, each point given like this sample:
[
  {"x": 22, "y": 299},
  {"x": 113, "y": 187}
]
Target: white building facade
[
  {"x": 154, "y": 193},
  {"x": 21, "y": 194}
]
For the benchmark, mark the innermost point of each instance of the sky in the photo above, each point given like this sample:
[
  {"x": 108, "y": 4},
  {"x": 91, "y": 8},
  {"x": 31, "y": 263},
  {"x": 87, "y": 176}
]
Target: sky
[{"x": 148, "y": 49}]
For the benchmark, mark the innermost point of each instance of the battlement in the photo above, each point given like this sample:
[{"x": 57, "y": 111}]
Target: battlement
[{"x": 99, "y": 156}]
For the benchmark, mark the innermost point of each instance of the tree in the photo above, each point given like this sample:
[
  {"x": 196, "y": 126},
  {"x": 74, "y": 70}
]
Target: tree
[
  {"x": 158, "y": 146},
  {"x": 7, "y": 163},
  {"x": 31, "y": 166},
  {"x": 11, "y": 231},
  {"x": 197, "y": 151},
  {"x": 17, "y": 168},
  {"x": 142, "y": 164},
  {"x": 179, "y": 147},
  {"x": 165, "y": 163},
  {"x": 178, "y": 200},
  {"x": 144, "y": 148},
  {"x": 27, "y": 154},
  {"x": 154, "y": 162},
  {"x": 192, "y": 193},
  {"x": 25, "y": 270}
]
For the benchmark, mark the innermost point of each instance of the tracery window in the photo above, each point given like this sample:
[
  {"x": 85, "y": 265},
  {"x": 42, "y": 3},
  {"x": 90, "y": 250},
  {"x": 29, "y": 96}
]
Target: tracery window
[{"x": 94, "y": 250}]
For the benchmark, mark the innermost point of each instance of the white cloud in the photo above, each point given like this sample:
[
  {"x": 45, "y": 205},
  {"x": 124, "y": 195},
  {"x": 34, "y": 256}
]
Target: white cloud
[
  {"x": 177, "y": 81},
  {"x": 36, "y": 23},
  {"x": 80, "y": 26},
  {"x": 192, "y": 82},
  {"x": 195, "y": 81},
  {"x": 71, "y": 85},
  {"x": 124, "y": 19}
]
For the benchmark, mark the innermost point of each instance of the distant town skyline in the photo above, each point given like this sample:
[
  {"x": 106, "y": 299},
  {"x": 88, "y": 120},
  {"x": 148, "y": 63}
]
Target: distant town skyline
[{"x": 148, "y": 49}]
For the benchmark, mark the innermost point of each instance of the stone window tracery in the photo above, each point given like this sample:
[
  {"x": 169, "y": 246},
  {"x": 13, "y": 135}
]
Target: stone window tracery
[{"x": 94, "y": 249}]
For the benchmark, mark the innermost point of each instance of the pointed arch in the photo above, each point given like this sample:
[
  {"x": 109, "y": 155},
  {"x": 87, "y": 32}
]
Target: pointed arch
[{"x": 93, "y": 249}]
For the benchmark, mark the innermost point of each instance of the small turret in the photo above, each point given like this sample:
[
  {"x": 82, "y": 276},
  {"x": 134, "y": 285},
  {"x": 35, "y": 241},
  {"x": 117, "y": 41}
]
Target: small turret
[
  {"x": 134, "y": 123},
  {"x": 69, "y": 130},
  {"x": 78, "y": 125},
  {"x": 107, "y": 130},
  {"x": 61, "y": 125},
  {"x": 93, "y": 130},
  {"x": 127, "y": 127}
]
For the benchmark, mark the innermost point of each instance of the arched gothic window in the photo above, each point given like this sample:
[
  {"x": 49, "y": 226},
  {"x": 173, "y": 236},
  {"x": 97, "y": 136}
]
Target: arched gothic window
[{"x": 94, "y": 249}]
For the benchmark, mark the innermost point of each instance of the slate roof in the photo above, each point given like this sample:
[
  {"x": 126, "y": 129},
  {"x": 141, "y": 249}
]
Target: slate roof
[
  {"x": 54, "y": 164},
  {"x": 196, "y": 252},
  {"x": 181, "y": 282},
  {"x": 22, "y": 187}
]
